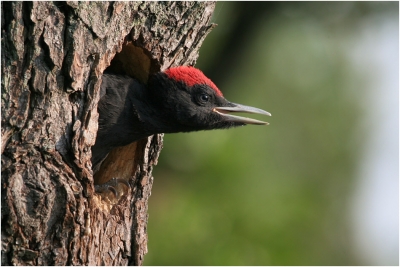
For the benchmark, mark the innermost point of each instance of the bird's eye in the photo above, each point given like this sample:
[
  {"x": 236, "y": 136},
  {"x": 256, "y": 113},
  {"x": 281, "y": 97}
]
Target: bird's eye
[{"x": 204, "y": 98}]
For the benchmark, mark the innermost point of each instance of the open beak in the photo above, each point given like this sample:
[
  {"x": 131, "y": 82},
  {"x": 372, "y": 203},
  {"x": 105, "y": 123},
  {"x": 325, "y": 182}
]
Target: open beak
[{"x": 223, "y": 111}]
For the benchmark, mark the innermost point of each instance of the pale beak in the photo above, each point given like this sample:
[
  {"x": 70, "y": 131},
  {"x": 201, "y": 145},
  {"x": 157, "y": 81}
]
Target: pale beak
[{"x": 223, "y": 111}]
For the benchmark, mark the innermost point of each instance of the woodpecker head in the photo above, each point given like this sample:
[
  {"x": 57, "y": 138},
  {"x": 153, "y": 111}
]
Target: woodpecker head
[{"x": 189, "y": 101}]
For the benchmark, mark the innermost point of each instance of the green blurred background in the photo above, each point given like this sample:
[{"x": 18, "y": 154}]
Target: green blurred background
[{"x": 319, "y": 185}]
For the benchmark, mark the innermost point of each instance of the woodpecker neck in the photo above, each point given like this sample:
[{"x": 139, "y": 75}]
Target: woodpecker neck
[
  {"x": 146, "y": 110},
  {"x": 120, "y": 122}
]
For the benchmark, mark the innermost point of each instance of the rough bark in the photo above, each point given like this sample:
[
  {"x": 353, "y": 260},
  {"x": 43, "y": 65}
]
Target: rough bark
[{"x": 53, "y": 57}]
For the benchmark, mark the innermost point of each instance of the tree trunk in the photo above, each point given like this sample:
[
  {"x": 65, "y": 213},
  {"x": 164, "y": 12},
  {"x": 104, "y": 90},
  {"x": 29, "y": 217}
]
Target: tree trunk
[{"x": 53, "y": 57}]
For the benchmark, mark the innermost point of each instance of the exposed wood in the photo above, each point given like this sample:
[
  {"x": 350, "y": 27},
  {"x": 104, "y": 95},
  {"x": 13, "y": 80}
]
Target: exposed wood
[{"x": 53, "y": 57}]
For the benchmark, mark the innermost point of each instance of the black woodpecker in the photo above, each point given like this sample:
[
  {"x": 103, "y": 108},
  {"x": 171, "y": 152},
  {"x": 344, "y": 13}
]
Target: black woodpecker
[{"x": 180, "y": 99}]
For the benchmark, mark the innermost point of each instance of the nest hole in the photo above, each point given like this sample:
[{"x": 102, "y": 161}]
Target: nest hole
[{"x": 122, "y": 162}]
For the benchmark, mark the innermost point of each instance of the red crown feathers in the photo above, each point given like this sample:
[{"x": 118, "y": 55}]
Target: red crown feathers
[{"x": 191, "y": 76}]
